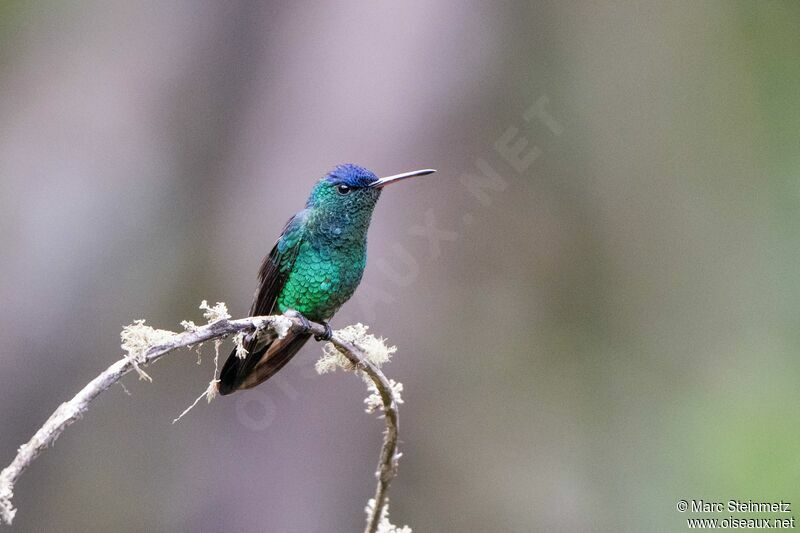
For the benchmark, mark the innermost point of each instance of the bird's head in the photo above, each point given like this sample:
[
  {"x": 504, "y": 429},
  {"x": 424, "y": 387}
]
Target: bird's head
[{"x": 351, "y": 188}]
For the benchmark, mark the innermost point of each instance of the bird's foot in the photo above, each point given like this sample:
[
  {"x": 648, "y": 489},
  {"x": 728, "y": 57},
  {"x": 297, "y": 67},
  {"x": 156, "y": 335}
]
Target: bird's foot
[
  {"x": 328, "y": 332},
  {"x": 305, "y": 325}
]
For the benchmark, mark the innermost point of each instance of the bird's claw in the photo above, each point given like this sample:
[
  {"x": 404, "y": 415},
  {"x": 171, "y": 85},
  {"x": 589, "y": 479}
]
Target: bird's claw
[
  {"x": 305, "y": 325},
  {"x": 325, "y": 336}
]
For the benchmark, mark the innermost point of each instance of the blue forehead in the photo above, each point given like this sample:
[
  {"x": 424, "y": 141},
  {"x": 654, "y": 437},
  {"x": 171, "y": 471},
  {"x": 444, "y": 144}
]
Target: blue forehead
[{"x": 351, "y": 175}]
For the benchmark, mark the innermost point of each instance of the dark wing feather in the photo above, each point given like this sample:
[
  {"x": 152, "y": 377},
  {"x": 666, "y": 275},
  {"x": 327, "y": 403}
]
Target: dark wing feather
[
  {"x": 277, "y": 265},
  {"x": 272, "y": 276},
  {"x": 272, "y": 358}
]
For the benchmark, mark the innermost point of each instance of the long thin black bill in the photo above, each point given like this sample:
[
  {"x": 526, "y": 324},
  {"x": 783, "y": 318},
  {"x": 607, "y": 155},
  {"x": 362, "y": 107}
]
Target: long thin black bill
[{"x": 397, "y": 177}]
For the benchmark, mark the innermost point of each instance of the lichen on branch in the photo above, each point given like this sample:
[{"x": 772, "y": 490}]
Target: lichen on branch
[
  {"x": 351, "y": 348},
  {"x": 384, "y": 395},
  {"x": 374, "y": 348},
  {"x": 384, "y": 525},
  {"x": 138, "y": 338}
]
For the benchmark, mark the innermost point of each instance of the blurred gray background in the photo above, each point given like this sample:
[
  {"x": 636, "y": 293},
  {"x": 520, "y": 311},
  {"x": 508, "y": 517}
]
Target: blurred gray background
[{"x": 584, "y": 339}]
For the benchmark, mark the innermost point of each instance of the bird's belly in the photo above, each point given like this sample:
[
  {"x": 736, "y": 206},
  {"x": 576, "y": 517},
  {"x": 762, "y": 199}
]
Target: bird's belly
[{"x": 318, "y": 286}]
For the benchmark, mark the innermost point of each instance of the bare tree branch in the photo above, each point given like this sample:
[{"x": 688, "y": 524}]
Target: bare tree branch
[{"x": 70, "y": 411}]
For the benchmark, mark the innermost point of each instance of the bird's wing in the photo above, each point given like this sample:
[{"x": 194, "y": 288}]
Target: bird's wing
[
  {"x": 264, "y": 359},
  {"x": 277, "y": 265}
]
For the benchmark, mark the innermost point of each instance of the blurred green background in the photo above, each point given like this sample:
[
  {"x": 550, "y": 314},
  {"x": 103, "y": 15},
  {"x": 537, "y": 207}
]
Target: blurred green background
[{"x": 583, "y": 341}]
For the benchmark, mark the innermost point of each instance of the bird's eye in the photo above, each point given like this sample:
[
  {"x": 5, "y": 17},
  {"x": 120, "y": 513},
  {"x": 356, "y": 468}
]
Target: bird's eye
[{"x": 343, "y": 189}]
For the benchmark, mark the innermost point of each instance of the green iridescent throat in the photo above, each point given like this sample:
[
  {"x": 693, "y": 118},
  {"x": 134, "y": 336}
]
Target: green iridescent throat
[{"x": 331, "y": 256}]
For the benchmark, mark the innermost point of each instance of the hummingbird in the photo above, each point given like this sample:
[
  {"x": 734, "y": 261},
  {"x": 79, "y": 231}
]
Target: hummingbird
[{"x": 313, "y": 269}]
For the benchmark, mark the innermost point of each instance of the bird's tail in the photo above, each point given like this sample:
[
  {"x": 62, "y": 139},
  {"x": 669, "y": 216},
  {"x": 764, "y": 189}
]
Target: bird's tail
[{"x": 259, "y": 366}]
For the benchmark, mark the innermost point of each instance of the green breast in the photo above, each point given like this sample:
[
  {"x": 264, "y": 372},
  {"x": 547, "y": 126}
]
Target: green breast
[{"x": 322, "y": 279}]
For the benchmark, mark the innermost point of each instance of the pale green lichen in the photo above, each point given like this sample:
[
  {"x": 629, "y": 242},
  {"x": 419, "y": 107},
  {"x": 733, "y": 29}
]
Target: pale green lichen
[
  {"x": 138, "y": 338},
  {"x": 238, "y": 342},
  {"x": 375, "y": 349},
  {"x": 374, "y": 400},
  {"x": 188, "y": 325},
  {"x": 216, "y": 313},
  {"x": 281, "y": 325},
  {"x": 212, "y": 315},
  {"x": 384, "y": 526},
  {"x": 7, "y": 510}
]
